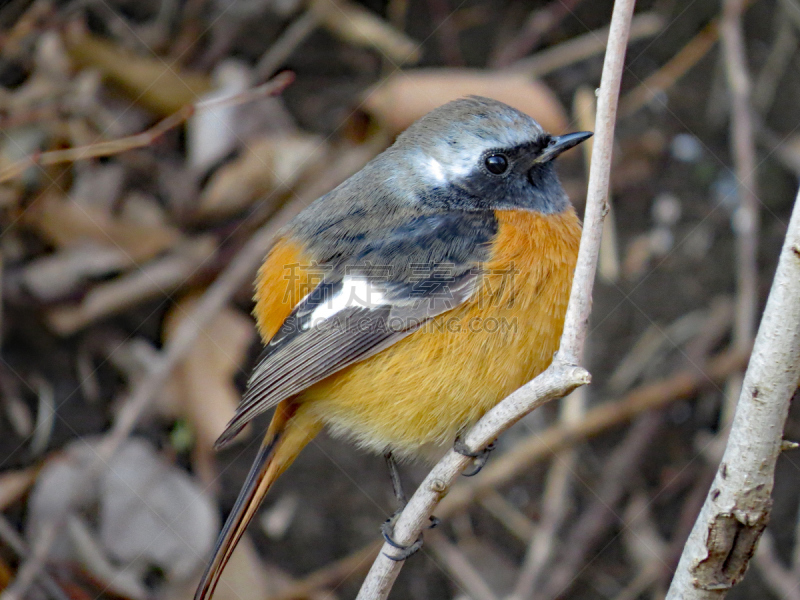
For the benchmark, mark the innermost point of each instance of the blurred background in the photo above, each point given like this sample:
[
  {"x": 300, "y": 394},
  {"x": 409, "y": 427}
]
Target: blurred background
[{"x": 147, "y": 150}]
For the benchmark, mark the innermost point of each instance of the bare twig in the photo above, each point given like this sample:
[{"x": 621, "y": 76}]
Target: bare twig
[
  {"x": 514, "y": 520},
  {"x": 154, "y": 279},
  {"x": 460, "y": 568},
  {"x": 331, "y": 574},
  {"x": 538, "y": 446},
  {"x": 583, "y": 107},
  {"x": 282, "y": 48},
  {"x": 542, "y": 445},
  {"x": 536, "y": 25},
  {"x": 778, "y": 60},
  {"x": 240, "y": 270},
  {"x": 15, "y": 484},
  {"x": 747, "y": 217},
  {"x": 599, "y": 516},
  {"x": 645, "y": 546},
  {"x": 737, "y": 508},
  {"x": 563, "y": 375},
  {"x": 673, "y": 70},
  {"x": 555, "y": 505},
  {"x": 16, "y": 542},
  {"x": 140, "y": 140},
  {"x": 585, "y": 46},
  {"x": 779, "y": 578}
]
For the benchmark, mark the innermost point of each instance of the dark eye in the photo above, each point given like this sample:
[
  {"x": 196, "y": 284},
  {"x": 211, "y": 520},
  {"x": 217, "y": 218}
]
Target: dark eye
[{"x": 496, "y": 164}]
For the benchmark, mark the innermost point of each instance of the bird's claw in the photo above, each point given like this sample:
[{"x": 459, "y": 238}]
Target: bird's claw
[
  {"x": 387, "y": 531},
  {"x": 479, "y": 458}
]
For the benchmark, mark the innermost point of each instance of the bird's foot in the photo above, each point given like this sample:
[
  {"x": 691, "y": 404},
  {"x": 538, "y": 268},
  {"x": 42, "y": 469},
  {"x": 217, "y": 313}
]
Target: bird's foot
[
  {"x": 479, "y": 458},
  {"x": 387, "y": 530}
]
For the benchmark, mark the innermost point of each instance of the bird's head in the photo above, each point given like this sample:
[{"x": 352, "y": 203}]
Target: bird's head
[{"x": 480, "y": 154}]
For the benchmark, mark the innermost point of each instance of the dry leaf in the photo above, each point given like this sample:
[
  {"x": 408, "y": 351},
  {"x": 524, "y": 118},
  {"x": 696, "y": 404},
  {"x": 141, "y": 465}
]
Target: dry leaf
[
  {"x": 154, "y": 279},
  {"x": 267, "y": 164},
  {"x": 14, "y": 484},
  {"x": 153, "y": 82},
  {"x": 145, "y": 512},
  {"x": 204, "y": 379},
  {"x": 358, "y": 26},
  {"x": 55, "y": 276},
  {"x": 69, "y": 224},
  {"x": 152, "y": 512},
  {"x": 408, "y": 95},
  {"x": 211, "y": 133}
]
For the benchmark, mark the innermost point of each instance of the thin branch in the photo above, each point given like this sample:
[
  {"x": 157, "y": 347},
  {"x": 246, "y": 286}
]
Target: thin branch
[
  {"x": 737, "y": 507},
  {"x": 509, "y": 516},
  {"x": 780, "y": 579},
  {"x": 580, "y": 303},
  {"x": 665, "y": 77},
  {"x": 563, "y": 375},
  {"x": 240, "y": 270},
  {"x": 543, "y": 541},
  {"x": 600, "y": 513},
  {"x": 140, "y": 140},
  {"x": 17, "y": 543},
  {"x": 541, "y": 445},
  {"x": 294, "y": 35},
  {"x": 460, "y": 568},
  {"x": 780, "y": 57},
  {"x": 746, "y": 219},
  {"x": 584, "y": 46},
  {"x": 537, "y": 24}
]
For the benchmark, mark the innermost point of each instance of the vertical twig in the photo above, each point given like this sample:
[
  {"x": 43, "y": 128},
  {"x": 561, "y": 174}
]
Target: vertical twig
[
  {"x": 737, "y": 507},
  {"x": 746, "y": 219},
  {"x": 542, "y": 543},
  {"x": 563, "y": 375},
  {"x": 460, "y": 568},
  {"x": 575, "y": 324},
  {"x": 779, "y": 579}
]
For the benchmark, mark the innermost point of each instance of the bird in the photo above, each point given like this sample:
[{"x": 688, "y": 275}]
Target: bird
[{"x": 401, "y": 306}]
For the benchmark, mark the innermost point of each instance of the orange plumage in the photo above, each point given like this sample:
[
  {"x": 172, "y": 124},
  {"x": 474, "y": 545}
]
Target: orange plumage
[
  {"x": 470, "y": 185},
  {"x": 447, "y": 375},
  {"x": 415, "y": 395}
]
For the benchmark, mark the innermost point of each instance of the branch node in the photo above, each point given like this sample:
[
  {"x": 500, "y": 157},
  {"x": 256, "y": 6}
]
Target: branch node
[
  {"x": 730, "y": 544},
  {"x": 438, "y": 486}
]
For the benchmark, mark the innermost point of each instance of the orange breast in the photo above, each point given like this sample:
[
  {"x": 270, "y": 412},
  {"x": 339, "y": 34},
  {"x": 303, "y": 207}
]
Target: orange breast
[{"x": 419, "y": 392}]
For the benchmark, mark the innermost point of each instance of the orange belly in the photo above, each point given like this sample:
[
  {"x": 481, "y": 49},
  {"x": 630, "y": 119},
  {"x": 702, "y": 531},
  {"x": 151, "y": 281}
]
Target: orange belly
[{"x": 419, "y": 392}]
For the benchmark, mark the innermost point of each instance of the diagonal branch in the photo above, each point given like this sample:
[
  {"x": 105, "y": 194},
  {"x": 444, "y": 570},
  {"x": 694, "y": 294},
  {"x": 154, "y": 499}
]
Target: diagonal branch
[
  {"x": 563, "y": 375},
  {"x": 737, "y": 507}
]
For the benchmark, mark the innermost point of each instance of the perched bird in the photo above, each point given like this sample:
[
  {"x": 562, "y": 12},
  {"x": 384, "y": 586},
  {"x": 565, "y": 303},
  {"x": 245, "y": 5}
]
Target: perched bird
[{"x": 401, "y": 306}]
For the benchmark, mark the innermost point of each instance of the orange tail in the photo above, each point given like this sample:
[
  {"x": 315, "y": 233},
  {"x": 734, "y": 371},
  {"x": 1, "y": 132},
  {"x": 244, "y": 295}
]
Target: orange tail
[{"x": 289, "y": 432}]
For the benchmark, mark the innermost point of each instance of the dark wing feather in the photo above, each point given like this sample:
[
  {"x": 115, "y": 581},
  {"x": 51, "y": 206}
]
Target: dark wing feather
[{"x": 325, "y": 333}]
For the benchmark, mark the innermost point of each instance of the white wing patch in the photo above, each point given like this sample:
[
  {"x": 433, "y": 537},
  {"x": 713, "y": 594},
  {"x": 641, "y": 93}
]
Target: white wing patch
[{"x": 356, "y": 292}]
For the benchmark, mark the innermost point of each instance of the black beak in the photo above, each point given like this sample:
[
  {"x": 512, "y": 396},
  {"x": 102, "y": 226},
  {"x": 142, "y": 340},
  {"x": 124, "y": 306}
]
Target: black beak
[{"x": 560, "y": 143}]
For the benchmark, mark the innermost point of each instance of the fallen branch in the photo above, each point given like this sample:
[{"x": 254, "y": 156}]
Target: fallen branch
[
  {"x": 563, "y": 375},
  {"x": 737, "y": 507}
]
